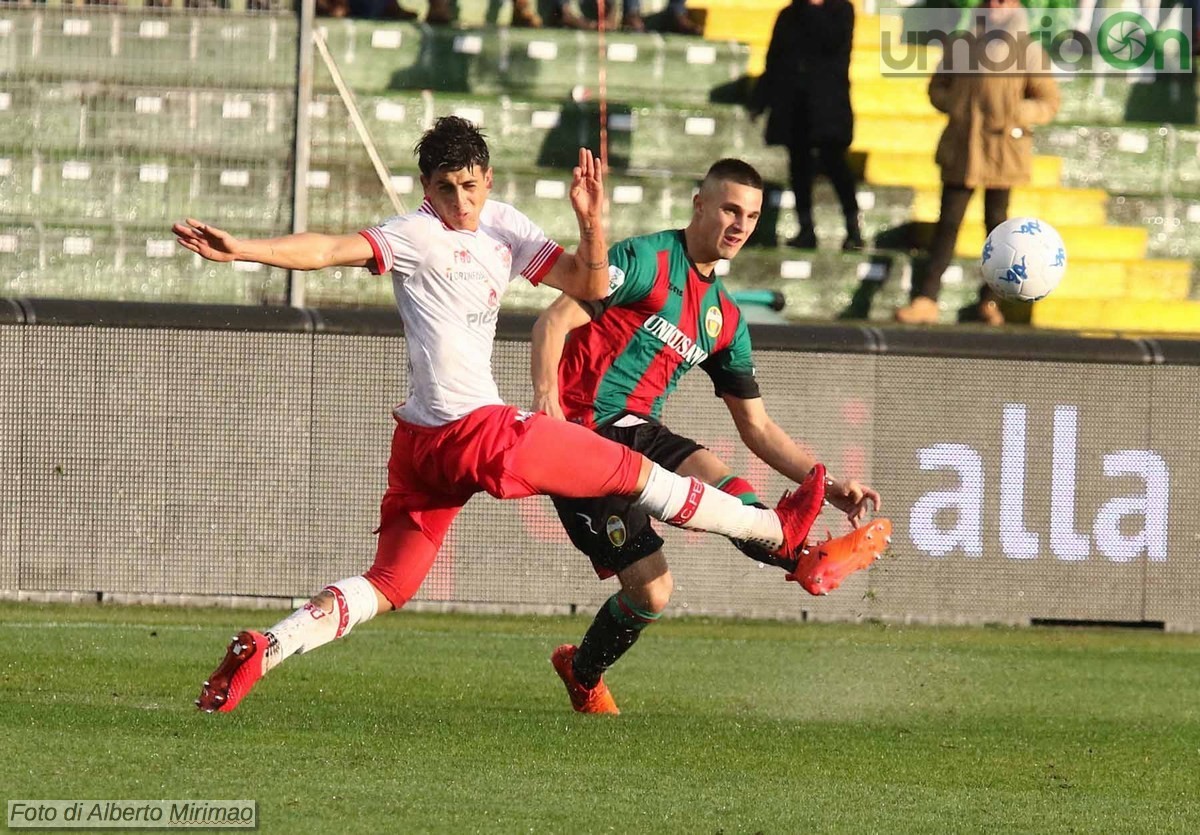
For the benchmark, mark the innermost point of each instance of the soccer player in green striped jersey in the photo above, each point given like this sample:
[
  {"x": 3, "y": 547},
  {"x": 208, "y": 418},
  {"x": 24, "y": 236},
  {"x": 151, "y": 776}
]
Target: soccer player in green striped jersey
[{"x": 610, "y": 365}]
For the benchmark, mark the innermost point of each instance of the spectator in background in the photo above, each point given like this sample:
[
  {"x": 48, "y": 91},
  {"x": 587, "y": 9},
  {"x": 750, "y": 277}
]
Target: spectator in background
[
  {"x": 565, "y": 17},
  {"x": 806, "y": 87},
  {"x": 440, "y": 13},
  {"x": 525, "y": 16},
  {"x": 986, "y": 144},
  {"x": 627, "y": 15},
  {"x": 679, "y": 21}
]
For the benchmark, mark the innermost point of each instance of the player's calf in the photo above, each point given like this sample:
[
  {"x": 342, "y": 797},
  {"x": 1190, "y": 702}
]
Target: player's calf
[{"x": 251, "y": 655}]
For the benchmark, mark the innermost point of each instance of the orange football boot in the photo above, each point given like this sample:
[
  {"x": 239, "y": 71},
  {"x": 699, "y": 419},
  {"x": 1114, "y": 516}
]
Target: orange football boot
[
  {"x": 596, "y": 700},
  {"x": 825, "y": 565}
]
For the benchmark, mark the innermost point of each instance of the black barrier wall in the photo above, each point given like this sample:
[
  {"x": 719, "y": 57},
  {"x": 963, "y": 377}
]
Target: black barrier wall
[{"x": 182, "y": 450}]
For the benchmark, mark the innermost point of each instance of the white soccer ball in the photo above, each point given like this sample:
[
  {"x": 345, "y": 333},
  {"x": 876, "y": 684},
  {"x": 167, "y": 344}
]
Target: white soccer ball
[{"x": 1023, "y": 258}]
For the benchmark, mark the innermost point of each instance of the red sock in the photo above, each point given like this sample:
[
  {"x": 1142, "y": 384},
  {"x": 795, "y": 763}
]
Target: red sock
[{"x": 739, "y": 488}]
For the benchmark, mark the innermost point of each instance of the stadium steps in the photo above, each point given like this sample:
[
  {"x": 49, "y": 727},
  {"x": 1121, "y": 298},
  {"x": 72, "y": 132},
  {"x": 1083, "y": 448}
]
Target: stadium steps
[
  {"x": 132, "y": 262},
  {"x": 226, "y": 124},
  {"x": 752, "y": 21},
  {"x": 1089, "y": 241},
  {"x": 1131, "y": 158},
  {"x": 1137, "y": 159},
  {"x": 230, "y": 135},
  {"x": 245, "y": 197},
  {"x": 896, "y": 97},
  {"x": 918, "y": 170},
  {"x": 373, "y": 57},
  {"x": 1144, "y": 315},
  {"x": 1163, "y": 280},
  {"x": 1071, "y": 207},
  {"x": 884, "y": 132}
]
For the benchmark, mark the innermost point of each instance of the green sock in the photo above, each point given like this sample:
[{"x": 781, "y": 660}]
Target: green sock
[{"x": 613, "y": 631}]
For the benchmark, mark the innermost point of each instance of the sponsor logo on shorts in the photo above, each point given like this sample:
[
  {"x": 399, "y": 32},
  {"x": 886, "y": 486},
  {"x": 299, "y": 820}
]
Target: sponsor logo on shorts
[
  {"x": 615, "y": 528},
  {"x": 588, "y": 519},
  {"x": 713, "y": 322}
]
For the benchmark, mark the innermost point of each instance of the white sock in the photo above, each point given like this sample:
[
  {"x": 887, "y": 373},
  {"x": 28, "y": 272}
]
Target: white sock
[
  {"x": 690, "y": 503},
  {"x": 310, "y": 626}
]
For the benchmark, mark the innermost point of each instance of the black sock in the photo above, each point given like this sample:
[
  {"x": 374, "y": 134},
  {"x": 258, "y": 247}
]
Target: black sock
[{"x": 613, "y": 631}]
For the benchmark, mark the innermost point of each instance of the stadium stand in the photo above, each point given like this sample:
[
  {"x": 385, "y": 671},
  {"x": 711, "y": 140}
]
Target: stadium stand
[{"x": 118, "y": 121}]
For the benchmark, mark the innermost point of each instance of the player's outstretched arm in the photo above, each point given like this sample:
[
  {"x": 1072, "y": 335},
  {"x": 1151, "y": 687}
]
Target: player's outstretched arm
[
  {"x": 549, "y": 336},
  {"x": 303, "y": 251},
  {"x": 768, "y": 441},
  {"x": 584, "y": 275}
]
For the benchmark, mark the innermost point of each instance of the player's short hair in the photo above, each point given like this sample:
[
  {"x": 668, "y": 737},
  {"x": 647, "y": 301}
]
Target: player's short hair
[
  {"x": 452, "y": 144},
  {"x": 735, "y": 171}
]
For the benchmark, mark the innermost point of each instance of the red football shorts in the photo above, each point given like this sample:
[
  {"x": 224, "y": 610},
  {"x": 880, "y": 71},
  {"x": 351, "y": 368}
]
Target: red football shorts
[{"x": 511, "y": 454}]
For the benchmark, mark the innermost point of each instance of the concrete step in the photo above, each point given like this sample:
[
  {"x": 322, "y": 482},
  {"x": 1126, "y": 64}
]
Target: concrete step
[
  {"x": 1073, "y": 207},
  {"x": 898, "y": 134},
  {"x": 1152, "y": 280},
  {"x": 1118, "y": 243},
  {"x": 258, "y": 52},
  {"x": 1140, "y": 315},
  {"x": 895, "y": 97},
  {"x": 918, "y": 170}
]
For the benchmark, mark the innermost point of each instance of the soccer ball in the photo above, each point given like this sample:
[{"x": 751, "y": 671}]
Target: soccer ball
[{"x": 1023, "y": 258}]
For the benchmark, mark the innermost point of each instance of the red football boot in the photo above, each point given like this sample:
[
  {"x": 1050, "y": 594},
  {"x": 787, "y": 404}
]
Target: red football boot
[
  {"x": 239, "y": 670},
  {"x": 798, "y": 511}
]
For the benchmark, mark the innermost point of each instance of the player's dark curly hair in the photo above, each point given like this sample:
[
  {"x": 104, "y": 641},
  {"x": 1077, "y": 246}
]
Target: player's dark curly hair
[
  {"x": 451, "y": 144},
  {"x": 735, "y": 171}
]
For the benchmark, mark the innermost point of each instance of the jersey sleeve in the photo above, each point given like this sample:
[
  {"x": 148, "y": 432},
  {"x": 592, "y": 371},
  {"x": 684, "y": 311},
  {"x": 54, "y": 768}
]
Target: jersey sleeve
[
  {"x": 631, "y": 273},
  {"x": 533, "y": 254},
  {"x": 731, "y": 369},
  {"x": 398, "y": 245}
]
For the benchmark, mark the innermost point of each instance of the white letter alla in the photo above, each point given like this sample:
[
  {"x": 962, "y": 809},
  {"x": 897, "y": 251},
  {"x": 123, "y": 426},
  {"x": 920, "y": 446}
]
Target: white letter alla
[
  {"x": 1016, "y": 542},
  {"x": 1152, "y": 505},
  {"x": 967, "y": 500},
  {"x": 1064, "y": 541}
]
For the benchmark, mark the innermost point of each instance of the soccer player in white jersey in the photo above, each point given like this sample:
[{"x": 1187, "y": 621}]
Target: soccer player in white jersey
[{"x": 450, "y": 262}]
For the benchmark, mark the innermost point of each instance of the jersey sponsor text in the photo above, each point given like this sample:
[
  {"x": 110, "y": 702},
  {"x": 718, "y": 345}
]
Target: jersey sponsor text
[{"x": 675, "y": 339}]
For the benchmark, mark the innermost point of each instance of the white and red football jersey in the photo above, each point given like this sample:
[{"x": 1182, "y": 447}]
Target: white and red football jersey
[{"x": 448, "y": 285}]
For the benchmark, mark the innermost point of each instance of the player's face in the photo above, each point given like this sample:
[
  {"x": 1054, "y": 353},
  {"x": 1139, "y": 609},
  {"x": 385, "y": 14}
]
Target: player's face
[
  {"x": 726, "y": 214},
  {"x": 458, "y": 196}
]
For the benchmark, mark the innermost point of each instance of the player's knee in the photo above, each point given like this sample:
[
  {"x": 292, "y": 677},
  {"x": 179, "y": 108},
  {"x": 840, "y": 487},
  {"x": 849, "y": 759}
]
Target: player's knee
[
  {"x": 388, "y": 585},
  {"x": 323, "y": 600},
  {"x": 655, "y": 595}
]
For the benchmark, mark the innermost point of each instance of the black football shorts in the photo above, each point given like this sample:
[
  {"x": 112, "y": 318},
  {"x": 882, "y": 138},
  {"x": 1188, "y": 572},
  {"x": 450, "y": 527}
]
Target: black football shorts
[{"x": 609, "y": 529}]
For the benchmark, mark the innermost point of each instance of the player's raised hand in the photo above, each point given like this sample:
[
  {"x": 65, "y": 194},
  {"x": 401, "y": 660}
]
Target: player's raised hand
[
  {"x": 587, "y": 187},
  {"x": 206, "y": 241},
  {"x": 853, "y": 499}
]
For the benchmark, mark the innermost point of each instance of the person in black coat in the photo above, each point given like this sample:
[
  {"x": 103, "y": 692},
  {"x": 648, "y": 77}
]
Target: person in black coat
[{"x": 806, "y": 87}]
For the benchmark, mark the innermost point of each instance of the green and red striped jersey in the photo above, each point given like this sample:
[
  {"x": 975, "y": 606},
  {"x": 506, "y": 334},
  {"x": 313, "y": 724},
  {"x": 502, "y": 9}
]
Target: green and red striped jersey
[{"x": 661, "y": 318}]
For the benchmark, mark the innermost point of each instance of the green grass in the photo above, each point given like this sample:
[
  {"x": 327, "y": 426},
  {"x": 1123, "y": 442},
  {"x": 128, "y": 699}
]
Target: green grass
[{"x": 452, "y": 723}]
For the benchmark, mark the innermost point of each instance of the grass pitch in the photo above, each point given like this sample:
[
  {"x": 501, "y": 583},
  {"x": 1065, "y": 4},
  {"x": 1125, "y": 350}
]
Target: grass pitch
[{"x": 450, "y": 723}]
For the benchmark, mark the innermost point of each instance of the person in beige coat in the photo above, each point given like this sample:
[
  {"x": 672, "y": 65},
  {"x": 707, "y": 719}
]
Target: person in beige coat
[{"x": 987, "y": 144}]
